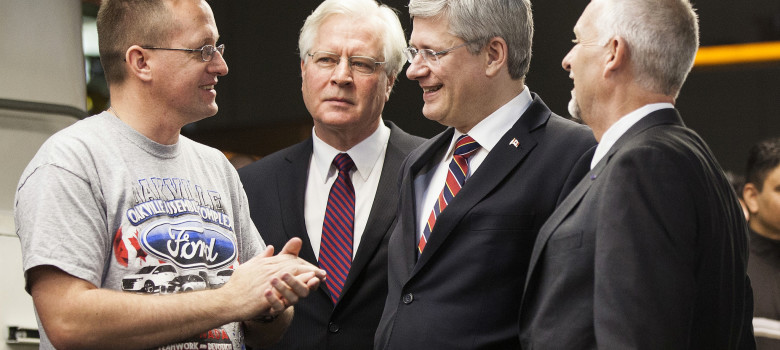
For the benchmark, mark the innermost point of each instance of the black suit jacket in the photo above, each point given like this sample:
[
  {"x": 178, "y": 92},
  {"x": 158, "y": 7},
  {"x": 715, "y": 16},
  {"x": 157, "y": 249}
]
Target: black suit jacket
[
  {"x": 648, "y": 251},
  {"x": 275, "y": 186},
  {"x": 464, "y": 291}
]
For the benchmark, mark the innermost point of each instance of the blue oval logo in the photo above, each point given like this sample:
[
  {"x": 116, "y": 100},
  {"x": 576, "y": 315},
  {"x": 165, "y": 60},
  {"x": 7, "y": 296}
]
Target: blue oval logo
[{"x": 188, "y": 244}]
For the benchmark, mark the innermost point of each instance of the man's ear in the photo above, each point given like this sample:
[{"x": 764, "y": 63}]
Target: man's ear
[
  {"x": 390, "y": 83},
  {"x": 137, "y": 61},
  {"x": 497, "y": 55},
  {"x": 750, "y": 196},
  {"x": 617, "y": 55}
]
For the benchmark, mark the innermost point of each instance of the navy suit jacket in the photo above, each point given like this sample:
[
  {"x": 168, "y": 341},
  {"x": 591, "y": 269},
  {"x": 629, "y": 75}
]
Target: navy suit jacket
[
  {"x": 648, "y": 251},
  {"x": 275, "y": 186},
  {"x": 464, "y": 291}
]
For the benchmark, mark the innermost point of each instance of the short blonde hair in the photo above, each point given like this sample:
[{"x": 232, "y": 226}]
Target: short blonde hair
[{"x": 123, "y": 23}]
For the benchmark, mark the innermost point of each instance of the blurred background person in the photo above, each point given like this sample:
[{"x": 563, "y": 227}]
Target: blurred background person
[{"x": 762, "y": 197}]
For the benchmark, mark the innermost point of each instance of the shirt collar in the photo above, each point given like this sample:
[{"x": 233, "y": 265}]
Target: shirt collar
[
  {"x": 621, "y": 126},
  {"x": 498, "y": 122},
  {"x": 365, "y": 154}
]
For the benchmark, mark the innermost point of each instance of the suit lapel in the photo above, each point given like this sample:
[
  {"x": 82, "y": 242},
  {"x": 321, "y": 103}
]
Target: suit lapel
[
  {"x": 569, "y": 203},
  {"x": 292, "y": 191},
  {"x": 418, "y": 162},
  {"x": 382, "y": 214},
  {"x": 664, "y": 116},
  {"x": 502, "y": 160}
]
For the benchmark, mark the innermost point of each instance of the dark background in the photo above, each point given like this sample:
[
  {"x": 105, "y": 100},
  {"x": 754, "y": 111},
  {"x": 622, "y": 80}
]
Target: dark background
[{"x": 261, "y": 109}]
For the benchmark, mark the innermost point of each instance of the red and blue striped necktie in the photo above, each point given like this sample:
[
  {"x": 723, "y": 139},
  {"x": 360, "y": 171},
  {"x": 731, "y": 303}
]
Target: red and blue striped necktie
[
  {"x": 457, "y": 173},
  {"x": 337, "y": 228}
]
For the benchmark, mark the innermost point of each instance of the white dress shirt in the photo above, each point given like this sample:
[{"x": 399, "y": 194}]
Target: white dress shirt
[
  {"x": 621, "y": 126},
  {"x": 368, "y": 156},
  {"x": 487, "y": 132}
]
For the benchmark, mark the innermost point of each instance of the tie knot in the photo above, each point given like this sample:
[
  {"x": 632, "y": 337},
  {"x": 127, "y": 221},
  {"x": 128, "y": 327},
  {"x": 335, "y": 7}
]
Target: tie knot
[
  {"x": 466, "y": 146},
  {"x": 343, "y": 162}
]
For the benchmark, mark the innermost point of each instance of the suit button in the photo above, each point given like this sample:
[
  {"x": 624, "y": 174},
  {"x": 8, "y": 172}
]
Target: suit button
[
  {"x": 408, "y": 298},
  {"x": 333, "y": 327}
]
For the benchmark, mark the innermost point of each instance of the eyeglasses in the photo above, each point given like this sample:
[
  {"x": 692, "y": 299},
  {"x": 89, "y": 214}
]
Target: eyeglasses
[
  {"x": 206, "y": 52},
  {"x": 429, "y": 55},
  {"x": 329, "y": 60}
]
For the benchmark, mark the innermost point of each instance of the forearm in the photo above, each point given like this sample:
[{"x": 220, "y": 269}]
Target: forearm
[
  {"x": 76, "y": 314},
  {"x": 259, "y": 334},
  {"x": 84, "y": 317}
]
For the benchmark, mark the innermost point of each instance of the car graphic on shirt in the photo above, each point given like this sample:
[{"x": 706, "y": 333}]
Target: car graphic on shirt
[
  {"x": 149, "y": 279},
  {"x": 186, "y": 283},
  {"x": 220, "y": 278}
]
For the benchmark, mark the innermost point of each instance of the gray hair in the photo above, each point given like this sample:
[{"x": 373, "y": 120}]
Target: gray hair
[
  {"x": 478, "y": 21},
  {"x": 392, "y": 33},
  {"x": 662, "y": 37}
]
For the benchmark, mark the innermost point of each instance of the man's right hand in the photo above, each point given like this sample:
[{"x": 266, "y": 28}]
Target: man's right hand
[{"x": 266, "y": 284}]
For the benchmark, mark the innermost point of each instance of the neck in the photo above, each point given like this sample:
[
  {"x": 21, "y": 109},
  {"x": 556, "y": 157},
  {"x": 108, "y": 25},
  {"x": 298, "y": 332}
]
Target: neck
[
  {"x": 495, "y": 97},
  {"x": 622, "y": 101},
  {"x": 764, "y": 231},
  {"x": 157, "y": 125},
  {"x": 343, "y": 138}
]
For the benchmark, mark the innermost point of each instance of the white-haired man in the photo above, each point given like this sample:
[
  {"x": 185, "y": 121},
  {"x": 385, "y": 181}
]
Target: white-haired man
[
  {"x": 649, "y": 251},
  {"x": 336, "y": 190}
]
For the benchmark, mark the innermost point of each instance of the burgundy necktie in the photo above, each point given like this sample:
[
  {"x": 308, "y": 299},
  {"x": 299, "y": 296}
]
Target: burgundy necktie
[
  {"x": 458, "y": 170},
  {"x": 337, "y": 228}
]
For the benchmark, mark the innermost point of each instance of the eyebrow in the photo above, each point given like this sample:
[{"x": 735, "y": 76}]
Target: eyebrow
[
  {"x": 417, "y": 46},
  {"x": 208, "y": 37}
]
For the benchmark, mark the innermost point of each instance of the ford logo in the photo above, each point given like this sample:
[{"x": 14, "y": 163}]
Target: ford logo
[{"x": 188, "y": 244}]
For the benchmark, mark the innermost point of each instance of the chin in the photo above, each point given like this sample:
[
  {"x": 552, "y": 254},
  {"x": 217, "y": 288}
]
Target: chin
[
  {"x": 213, "y": 108},
  {"x": 431, "y": 113},
  {"x": 207, "y": 113},
  {"x": 335, "y": 119},
  {"x": 574, "y": 110}
]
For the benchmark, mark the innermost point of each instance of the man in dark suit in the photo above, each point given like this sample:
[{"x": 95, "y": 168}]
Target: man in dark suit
[
  {"x": 649, "y": 250},
  {"x": 458, "y": 256},
  {"x": 351, "y": 53}
]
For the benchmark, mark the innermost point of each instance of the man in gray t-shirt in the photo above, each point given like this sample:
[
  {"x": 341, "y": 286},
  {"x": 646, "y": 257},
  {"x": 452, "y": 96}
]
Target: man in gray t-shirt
[{"x": 120, "y": 216}]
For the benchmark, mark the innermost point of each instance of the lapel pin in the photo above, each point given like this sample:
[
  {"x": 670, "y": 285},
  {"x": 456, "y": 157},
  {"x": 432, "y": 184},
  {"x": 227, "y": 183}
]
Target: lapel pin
[
  {"x": 515, "y": 143},
  {"x": 593, "y": 177}
]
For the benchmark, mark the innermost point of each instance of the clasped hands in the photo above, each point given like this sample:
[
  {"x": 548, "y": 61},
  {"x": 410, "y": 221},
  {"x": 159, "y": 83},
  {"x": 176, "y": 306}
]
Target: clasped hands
[{"x": 268, "y": 284}]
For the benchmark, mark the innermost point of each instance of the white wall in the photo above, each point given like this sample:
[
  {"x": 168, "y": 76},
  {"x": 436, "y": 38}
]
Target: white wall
[{"x": 42, "y": 63}]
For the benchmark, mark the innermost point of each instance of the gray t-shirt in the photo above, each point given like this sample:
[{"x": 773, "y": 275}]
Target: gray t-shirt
[{"x": 106, "y": 204}]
